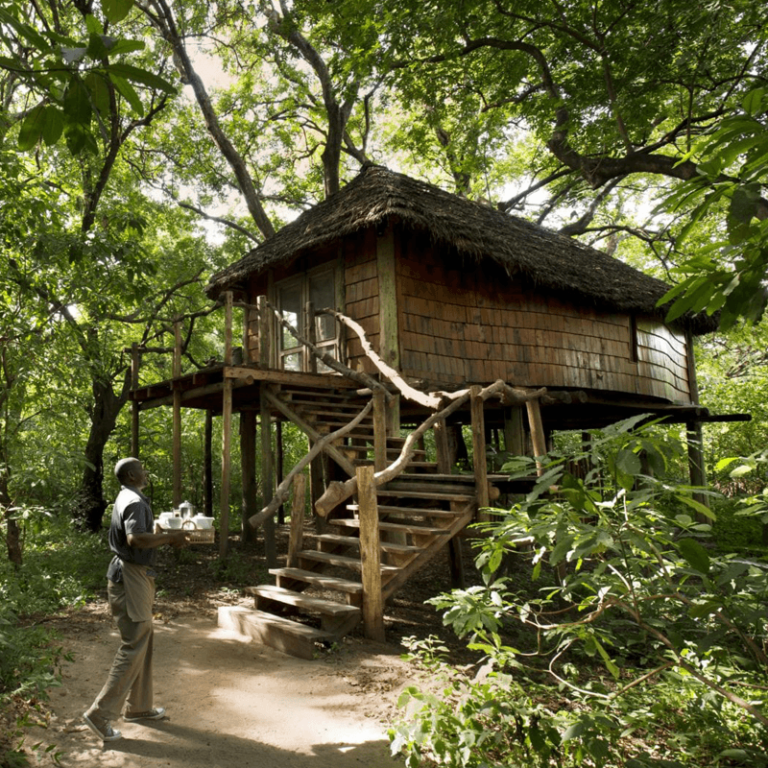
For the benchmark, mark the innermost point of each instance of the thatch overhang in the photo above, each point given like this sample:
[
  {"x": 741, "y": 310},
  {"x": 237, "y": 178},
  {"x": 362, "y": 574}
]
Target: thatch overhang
[{"x": 547, "y": 260}]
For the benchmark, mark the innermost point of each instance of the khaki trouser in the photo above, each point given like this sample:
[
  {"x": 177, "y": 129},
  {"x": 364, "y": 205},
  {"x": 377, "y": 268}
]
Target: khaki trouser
[{"x": 131, "y": 675}]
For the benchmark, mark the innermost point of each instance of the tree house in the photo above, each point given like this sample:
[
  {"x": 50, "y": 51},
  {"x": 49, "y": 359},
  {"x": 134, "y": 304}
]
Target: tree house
[{"x": 411, "y": 309}]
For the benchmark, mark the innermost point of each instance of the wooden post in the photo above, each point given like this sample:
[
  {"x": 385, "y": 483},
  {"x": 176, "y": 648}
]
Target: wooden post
[
  {"x": 296, "y": 537},
  {"x": 135, "y": 363},
  {"x": 264, "y": 332},
  {"x": 514, "y": 431},
  {"x": 226, "y": 430},
  {"x": 479, "y": 459},
  {"x": 696, "y": 467},
  {"x": 379, "y": 430},
  {"x": 538, "y": 436},
  {"x": 389, "y": 337},
  {"x": 265, "y": 419},
  {"x": 279, "y": 466},
  {"x": 393, "y": 417},
  {"x": 442, "y": 448},
  {"x": 309, "y": 334},
  {"x": 176, "y": 415},
  {"x": 208, "y": 464},
  {"x": 248, "y": 470},
  {"x": 316, "y": 486},
  {"x": 370, "y": 555}
]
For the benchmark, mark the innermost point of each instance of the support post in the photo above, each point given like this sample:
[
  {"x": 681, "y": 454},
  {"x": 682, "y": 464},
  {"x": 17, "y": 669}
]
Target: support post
[
  {"x": 296, "y": 536},
  {"x": 379, "y": 430},
  {"x": 279, "y": 466},
  {"x": 176, "y": 415},
  {"x": 248, "y": 471},
  {"x": 538, "y": 436},
  {"x": 370, "y": 555},
  {"x": 479, "y": 459},
  {"x": 135, "y": 363},
  {"x": 267, "y": 485},
  {"x": 309, "y": 334},
  {"x": 226, "y": 430},
  {"x": 208, "y": 464},
  {"x": 694, "y": 437},
  {"x": 514, "y": 431},
  {"x": 442, "y": 448},
  {"x": 264, "y": 335}
]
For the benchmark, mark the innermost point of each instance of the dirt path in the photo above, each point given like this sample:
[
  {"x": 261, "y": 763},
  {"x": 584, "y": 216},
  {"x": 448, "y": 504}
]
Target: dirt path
[{"x": 230, "y": 702}]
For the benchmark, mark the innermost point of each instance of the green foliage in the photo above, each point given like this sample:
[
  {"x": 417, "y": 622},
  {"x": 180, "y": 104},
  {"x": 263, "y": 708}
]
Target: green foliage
[{"x": 637, "y": 643}]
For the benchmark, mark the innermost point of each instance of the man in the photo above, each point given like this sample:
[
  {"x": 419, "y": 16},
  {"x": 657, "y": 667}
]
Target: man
[{"x": 131, "y": 589}]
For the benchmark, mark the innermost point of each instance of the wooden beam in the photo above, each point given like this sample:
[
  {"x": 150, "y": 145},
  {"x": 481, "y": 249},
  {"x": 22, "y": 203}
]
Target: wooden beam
[
  {"x": 538, "y": 436},
  {"x": 248, "y": 470},
  {"x": 265, "y": 341},
  {"x": 208, "y": 464},
  {"x": 321, "y": 380},
  {"x": 442, "y": 447},
  {"x": 270, "y": 551},
  {"x": 228, "y": 328},
  {"x": 296, "y": 536},
  {"x": 279, "y": 461},
  {"x": 379, "y": 430},
  {"x": 176, "y": 416},
  {"x": 479, "y": 458},
  {"x": 696, "y": 466},
  {"x": 389, "y": 336},
  {"x": 370, "y": 555},
  {"x": 226, "y": 466},
  {"x": 337, "y": 456},
  {"x": 514, "y": 431}
]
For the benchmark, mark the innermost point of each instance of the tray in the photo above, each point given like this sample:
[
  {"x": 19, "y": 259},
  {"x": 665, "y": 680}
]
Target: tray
[{"x": 196, "y": 535}]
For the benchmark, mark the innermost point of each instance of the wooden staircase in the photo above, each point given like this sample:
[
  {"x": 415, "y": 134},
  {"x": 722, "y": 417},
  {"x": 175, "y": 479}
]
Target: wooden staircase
[{"x": 319, "y": 598}]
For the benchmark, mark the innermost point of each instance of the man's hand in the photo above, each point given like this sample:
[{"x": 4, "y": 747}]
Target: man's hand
[{"x": 178, "y": 539}]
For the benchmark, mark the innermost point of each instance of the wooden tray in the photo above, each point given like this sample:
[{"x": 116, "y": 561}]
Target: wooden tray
[{"x": 196, "y": 535}]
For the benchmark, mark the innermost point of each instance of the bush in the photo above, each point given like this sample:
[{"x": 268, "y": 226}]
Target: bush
[{"x": 640, "y": 647}]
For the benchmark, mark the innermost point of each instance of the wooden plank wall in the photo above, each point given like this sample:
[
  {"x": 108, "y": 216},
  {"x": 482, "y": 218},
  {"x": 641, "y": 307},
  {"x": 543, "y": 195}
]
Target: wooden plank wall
[
  {"x": 361, "y": 295},
  {"x": 460, "y": 324}
]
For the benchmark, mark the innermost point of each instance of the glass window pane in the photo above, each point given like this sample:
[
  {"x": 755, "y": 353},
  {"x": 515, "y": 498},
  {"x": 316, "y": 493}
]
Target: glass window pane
[
  {"x": 292, "y": 362},
  {"x": 322, "y": 295},
  {"x": 290, "y": 308}
]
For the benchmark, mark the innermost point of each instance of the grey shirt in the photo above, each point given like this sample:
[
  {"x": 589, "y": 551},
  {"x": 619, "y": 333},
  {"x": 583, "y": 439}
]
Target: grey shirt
[{"x": 130, "y": 515}]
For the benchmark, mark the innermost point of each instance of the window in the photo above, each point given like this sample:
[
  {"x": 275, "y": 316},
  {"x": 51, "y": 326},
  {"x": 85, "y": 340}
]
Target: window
[{"x": 297, "y": 298}]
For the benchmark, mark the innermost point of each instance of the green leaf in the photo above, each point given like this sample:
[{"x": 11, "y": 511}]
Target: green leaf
[
  {"x": 77, "y": 103},
  {"x": 694, "y": 554},
  {"x": 142, "y": 76},
  {"x": 126, "y": 46},
  {"x": 702, "y": 509},
  {"x": 99, "y": 92},
  {"x": 53, "y": 125},
  {"x": 31, "y": 130},
  {"x": 116, "y": 10},
  {"x": 752, "y": 103},
  {"x": 125, "y": 89}
]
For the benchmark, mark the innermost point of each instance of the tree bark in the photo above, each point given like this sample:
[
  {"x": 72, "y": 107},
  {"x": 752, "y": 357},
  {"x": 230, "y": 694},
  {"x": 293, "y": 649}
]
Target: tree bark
[{"x": 90, "y": 505}]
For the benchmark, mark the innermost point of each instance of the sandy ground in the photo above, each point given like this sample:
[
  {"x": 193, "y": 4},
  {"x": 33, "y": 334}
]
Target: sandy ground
[{"x": 230, "y": 702}]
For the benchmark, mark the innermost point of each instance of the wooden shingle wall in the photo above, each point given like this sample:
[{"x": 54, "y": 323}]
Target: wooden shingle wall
[
  {"x": 464, "y": 322},
  {"x": 361, "y": 295}
]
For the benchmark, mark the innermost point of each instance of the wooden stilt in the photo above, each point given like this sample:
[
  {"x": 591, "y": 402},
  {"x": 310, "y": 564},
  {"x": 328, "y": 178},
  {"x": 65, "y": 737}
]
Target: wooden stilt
[
  {"x": 479, "y": 459},
  {"x": 537, "y": 433},
  {"x": 296, "y": 538},
  {"x": 135, "y": 363},
  {"x": 514, "y": 431},
  {"x": 248, "y": 471},
  {"x": 442, "y": 448},
  {"x": 696, "y": 467},
  {"x": 279, "y": 466},
  {"x": 267, "y": 466},
  {"x": 226, "y": 431},
  {"x": 379, "y": 430},
  {"x": 176, "y": 416},
  {"x": 370, "y": 555},
  {"x": 208, "y": 464}
]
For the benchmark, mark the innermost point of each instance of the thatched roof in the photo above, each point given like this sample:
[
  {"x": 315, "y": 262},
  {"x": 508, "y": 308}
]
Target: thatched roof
[{"x": 548, "y": 260}]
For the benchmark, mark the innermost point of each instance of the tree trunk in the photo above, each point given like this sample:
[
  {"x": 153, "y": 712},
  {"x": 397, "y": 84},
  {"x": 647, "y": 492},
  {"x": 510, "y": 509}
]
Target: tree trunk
[
  {"x": 90, "y": 506},
  {"x": 13, "y": 533}
]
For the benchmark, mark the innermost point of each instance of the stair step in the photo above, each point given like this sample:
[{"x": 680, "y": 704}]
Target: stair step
[
  {"x": 434, "y": 496},
  {"x": 319, "y": 580},
  {"x": 387, "y": 526},
  {"x": 306, "y": 602},
  {"x": 438, "y": 478},
  {"x": 345, "y": 562},
  {"x": 353, "y": 541},
  {"x": 275, "y": 631},
  {"x": 410, "y": 511}
]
